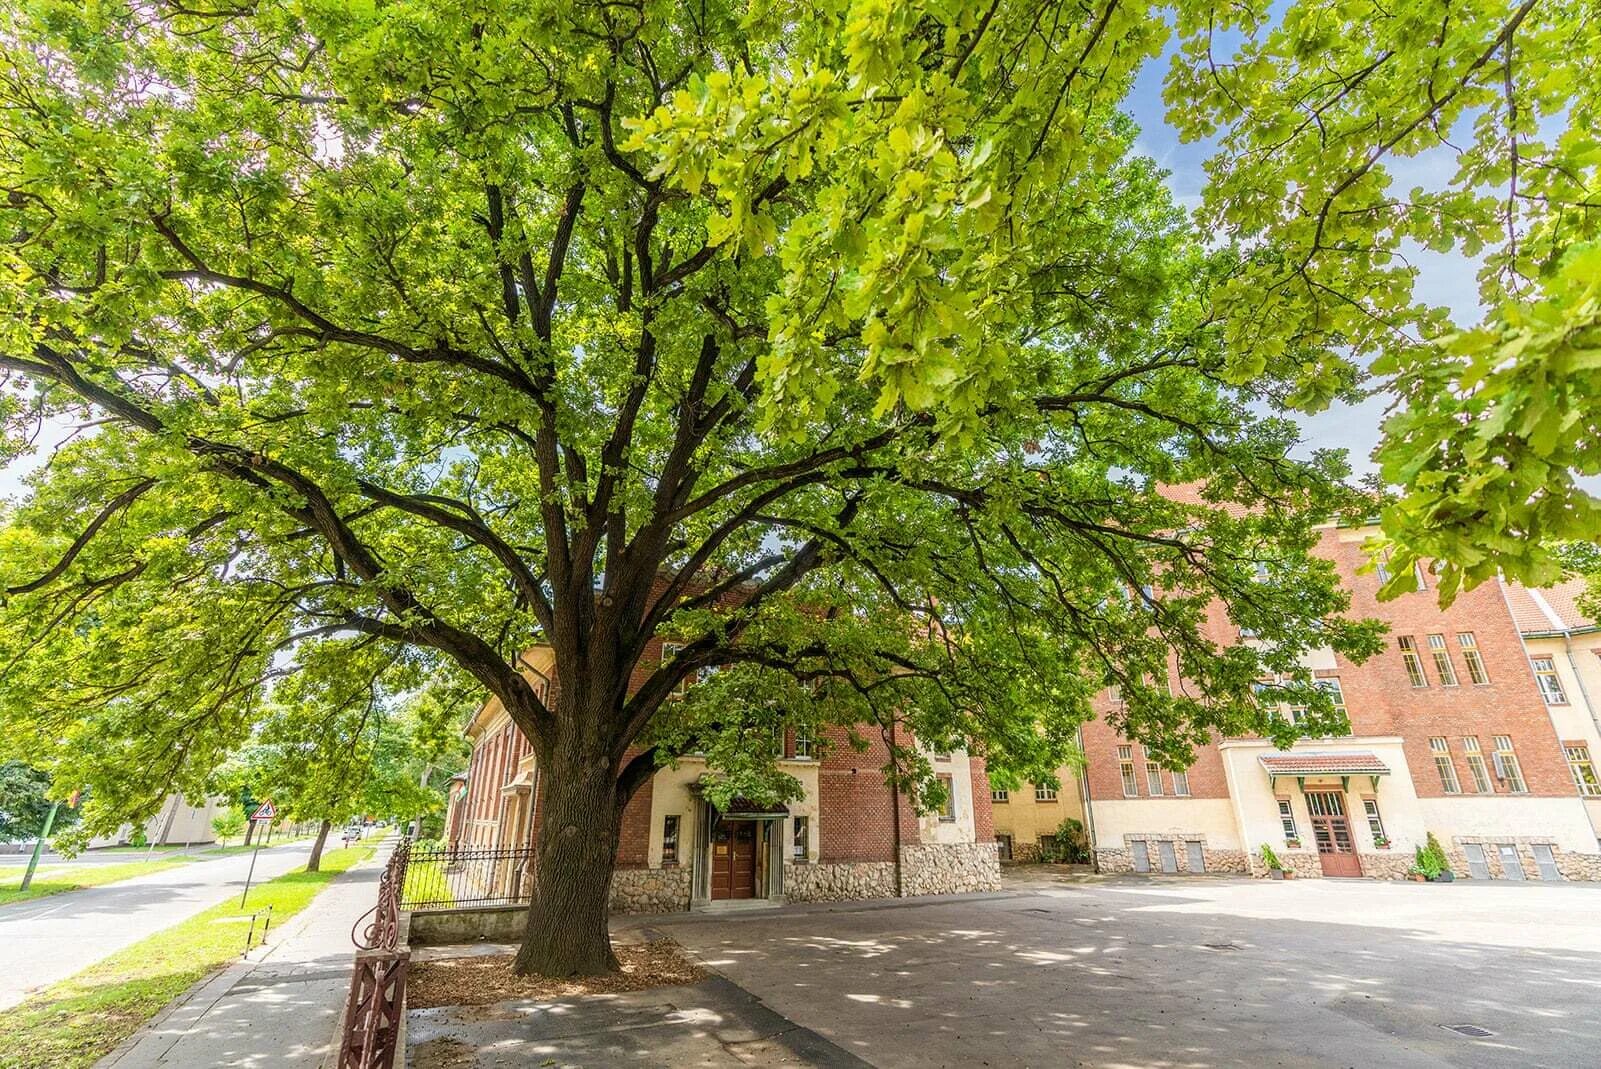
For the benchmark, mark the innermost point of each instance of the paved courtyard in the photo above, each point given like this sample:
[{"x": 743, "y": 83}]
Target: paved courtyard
[{"x": 1183, "y": 974}]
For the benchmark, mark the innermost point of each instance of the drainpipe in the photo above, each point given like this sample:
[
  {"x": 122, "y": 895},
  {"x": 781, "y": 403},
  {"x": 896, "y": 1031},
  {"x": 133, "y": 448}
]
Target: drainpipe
[
  {"x": 1084, "y": 794},
  {"x": 895, "y": 812}
]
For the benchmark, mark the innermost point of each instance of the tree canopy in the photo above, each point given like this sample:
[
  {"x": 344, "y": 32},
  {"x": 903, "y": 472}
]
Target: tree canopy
[{"x": 854, "y": 346}]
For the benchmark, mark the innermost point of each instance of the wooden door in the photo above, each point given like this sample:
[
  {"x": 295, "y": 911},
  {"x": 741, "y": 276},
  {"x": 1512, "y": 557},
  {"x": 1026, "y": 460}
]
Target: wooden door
[
  {"x": 742, "y": 877},
  {"x": 1332, "y": 831},
  {"x": 734, "y": 859}
]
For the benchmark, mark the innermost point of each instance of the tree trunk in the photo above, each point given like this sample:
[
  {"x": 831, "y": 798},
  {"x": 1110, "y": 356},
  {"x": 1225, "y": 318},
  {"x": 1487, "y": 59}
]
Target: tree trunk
[
  {"x": 576, "y": 848},
  {"x": 314, "y": 863},
  {"x": 250, "y": 831}
]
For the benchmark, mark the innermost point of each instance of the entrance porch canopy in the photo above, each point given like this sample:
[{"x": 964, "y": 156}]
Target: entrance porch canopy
[
  {"x": 741, "y": 808},
  {"x": 1343, "y": 764}
]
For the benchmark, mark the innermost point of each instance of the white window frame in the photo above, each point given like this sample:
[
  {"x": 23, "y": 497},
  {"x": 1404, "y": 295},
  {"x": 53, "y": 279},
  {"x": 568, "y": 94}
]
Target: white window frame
[
  {"x": 1287, "y": 820},
  {"x": 1482, "y": 783},
  {"x": 1550, "y": 682},
  {"x": 1043, "y": 793},
  {"x": 1181, "y": 784},
  {"x": 1583, "y": 769},
  {"x": 1507, "y": 766},
  {"x": 947, "y": 813},
  {"x": 1468, "y": 643},
  {"x": 1000, "y": 796},
  {"x": 1153, "y": 779},
  {"x": 1125, "y": 765},
  {"x": 1442, "y": 661},
  {"x": 1413, "y": 661},
  {"x": 1441, "y": 747}
]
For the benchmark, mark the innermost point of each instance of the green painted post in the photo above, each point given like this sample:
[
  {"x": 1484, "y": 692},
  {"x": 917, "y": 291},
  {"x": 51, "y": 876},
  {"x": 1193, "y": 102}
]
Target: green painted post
[{"x": 38, "y": 847}]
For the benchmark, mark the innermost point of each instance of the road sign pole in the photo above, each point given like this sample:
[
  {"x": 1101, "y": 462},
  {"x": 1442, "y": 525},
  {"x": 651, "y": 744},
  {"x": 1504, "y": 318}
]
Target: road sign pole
[
  {"x": 249, "y": 875},
  {"x": 38, "y": 847}
]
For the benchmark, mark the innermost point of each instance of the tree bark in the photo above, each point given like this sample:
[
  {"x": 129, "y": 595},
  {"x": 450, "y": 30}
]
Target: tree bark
[
  {"x": 314, "y": 863},
  {"x": 575, "y": 851},
  {"x": 250, "y": 831}
]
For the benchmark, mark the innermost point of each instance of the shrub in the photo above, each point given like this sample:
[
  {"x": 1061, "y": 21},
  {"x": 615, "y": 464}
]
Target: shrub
[
  {"x": 1070, "y": 844},
  {"x": 1429, "y": 860},
  {"x": 1269, "y": 858}
]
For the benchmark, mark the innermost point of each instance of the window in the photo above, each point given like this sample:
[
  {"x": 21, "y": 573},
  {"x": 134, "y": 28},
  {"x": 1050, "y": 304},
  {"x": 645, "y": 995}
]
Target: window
[
  {"x": 1507, "y": 767},
  {"x": 1114, "y": 693},
  {"x": 1414, "y": 663},
  {"x": 1511, "y": 864},
  {"x": 1442, "y": 661},
  {"x": 1370, "y": 806},
  {"x": 1545, "y": 674},
  {"x": 1418, "y": 577},
  {"x": 1043, "y": 793},
  {"x": 1125, "y": 764},
  {"x": 1181, "y": 784},
  {"x": 670, "y": 840},
  {"x": 1442, "y": 761},
  {"x": 805, "y": 744},
  {"x": 1330, "y": 685},
  {"x": 669, "y": 651},
  {"x": 947, "y": 809},
  {"x": 1287, "y": 820},
  {"x": 1153, "y": 778},
  {"x": 801, "y": 842},
  {"x": 1481, "y": 775},
  {"x": 1583, "y": 769},
  {"x": 1000, "y": 797},
  {"x": 1003, "y": 847},
  {"x": 1381, "y": 566},
  {"x": 1470, "y": 653}
]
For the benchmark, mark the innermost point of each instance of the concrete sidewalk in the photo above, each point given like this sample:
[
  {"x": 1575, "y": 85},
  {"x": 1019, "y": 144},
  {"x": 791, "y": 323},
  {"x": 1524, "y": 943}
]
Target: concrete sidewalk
[{"x": 274, "y": 1011}]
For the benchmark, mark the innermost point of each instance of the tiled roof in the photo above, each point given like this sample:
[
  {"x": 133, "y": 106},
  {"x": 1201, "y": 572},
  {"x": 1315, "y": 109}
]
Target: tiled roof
[
  {"x": 1553, "y": 608},
  {"x": 1352, "y": 763}
]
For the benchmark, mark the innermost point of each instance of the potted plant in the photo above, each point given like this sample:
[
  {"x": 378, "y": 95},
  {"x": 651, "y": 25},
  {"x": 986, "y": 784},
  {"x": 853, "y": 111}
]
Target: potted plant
[
  {"x": 1430, "y": 863},
  {"x": 1275, "y": 867},
  {"x": 1381, "y": 842},
  {"x": 1441, "y": 863}
]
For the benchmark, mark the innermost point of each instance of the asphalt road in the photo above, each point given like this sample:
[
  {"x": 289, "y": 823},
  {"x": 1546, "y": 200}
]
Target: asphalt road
[
  {"x": 1186, "y": 974},
  {"x": 49, "y": 939}
]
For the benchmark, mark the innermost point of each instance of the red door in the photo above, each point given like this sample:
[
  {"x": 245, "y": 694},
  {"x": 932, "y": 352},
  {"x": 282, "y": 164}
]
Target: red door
[
  {"x": 734, "y": 859},
  {"x": 1332, "y": 831}
]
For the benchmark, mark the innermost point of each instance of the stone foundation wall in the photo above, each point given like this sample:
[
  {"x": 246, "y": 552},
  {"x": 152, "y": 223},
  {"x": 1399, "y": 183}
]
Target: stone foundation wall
[
  {"x": 650, "y": 890},
  {"x": 949, "y": 868},
  {"x": 1304, "y": 863},
  {"x": 1113, "y": 860},
  {"x": 1579, "y": 866},
  {"x": 1388, "y": 865},
  {"x": 839, "y": 881},
  {"x": 1027, "y": 853}
]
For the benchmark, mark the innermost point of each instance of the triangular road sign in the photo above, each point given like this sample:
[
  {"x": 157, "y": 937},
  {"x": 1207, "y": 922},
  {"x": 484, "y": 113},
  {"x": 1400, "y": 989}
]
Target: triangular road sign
[{"x": 265, "y": 811}]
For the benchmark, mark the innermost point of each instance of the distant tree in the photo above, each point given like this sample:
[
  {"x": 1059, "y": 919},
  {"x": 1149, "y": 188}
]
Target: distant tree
[
  {"x": 25, "y": 801},
  {"x": 228, "y": 824}
]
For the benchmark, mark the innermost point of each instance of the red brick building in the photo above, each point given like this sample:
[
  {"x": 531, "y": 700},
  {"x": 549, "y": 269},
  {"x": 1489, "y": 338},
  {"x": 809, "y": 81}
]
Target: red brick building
[
  {"x": 1450, "y": 734},
  {"x": 849, "y": 836}
]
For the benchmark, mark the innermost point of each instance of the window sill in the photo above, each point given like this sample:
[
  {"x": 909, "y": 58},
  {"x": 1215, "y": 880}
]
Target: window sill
[{"x": 947, "y": 820}]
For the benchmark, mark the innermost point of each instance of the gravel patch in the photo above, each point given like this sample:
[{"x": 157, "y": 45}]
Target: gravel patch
[{"x": 481, "y": 980}]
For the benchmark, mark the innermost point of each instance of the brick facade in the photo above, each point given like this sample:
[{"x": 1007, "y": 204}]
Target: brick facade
[{"x": 1392, "y": 714}]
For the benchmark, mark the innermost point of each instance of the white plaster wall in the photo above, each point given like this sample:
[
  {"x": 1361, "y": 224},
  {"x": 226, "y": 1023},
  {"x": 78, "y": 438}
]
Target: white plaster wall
[
  {"x": 1562, "y": 819},
  {"x": 1211, "y": 817},
  {"x": 1575, "y": 720},
  {"x": 670, "y": 794},
  {"x": 931, "y": 829},
  {"x": 1257, "y": 805}
]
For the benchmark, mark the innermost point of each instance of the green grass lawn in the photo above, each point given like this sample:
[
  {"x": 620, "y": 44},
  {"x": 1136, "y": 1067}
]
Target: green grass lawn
[
  {"x": 426, "y": 883},
  {"x": 54, "y": 879},
  {"x": 74, "y": 1023}
]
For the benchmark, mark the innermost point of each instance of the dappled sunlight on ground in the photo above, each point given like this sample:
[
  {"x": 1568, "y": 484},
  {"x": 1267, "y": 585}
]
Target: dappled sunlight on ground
[{"x": 1188, "y": 974}]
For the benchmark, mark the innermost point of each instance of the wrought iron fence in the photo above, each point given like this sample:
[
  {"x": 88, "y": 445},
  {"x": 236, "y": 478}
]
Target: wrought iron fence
[
  {"x": 446, "y": 877},
  {"x": 369, "y": 1038}
]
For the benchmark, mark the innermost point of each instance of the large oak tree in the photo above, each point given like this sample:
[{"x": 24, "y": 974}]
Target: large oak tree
[{"x": 848, "y": 345}]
